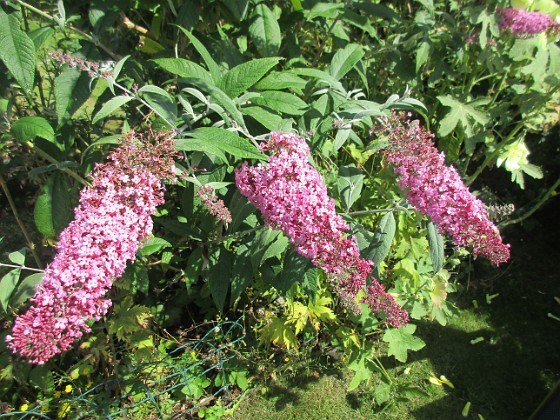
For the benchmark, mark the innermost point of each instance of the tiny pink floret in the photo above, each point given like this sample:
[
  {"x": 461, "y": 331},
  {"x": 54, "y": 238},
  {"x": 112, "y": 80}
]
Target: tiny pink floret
[
  {"x": 293, "y": 198},
  {"x": 111, "y": 221}
]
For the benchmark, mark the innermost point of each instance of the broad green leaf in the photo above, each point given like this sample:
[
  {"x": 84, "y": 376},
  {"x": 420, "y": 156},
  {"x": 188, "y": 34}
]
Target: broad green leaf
[
  {"x": 140, "y": 279},
  {"x": 437, "y": 252},
  {"x": 268, "y": 119},
  {"x": 281, "y": 80},
  {"x": 154, "y": 245},
  {"x": 242, "y": 274},
  {"x": 220, "y": 97},
  {"x": 422, "y": 54},
  {"x": 295, "y": 267},
  {"x": 310, "y": 282},
  {"x": 17, "y": 50},
  {"x": 40, "y": 35},
  {"x": 26, "y": 289},
  {"x": 17, "y": 257},
  {"x": 71, "y": 90},
  {"x": 115, "y": 139},
  {"x": 268, "y": 243},
  {"x": 184, "y": 68},
  {"x": 325, "y": 10},
  {"x": 53, "y": 208},
  {"x": 240, "y": 78},
  {"x": 219, "y": 277},
  {"x": 27, "y": 128},
  {"x": 296, "y": 4},
  {"x": 320, "y": 75},
  {"x": 382, "y": 393},
  {"x": 197, "y": 145},
  {"x": 460, "y": 113},
  {"x": 344, "y": 60},
  {"x": 161, "y": 102},
  {"x": 110, "y": 106},
  {"x": 7, "y": 286},
  {"x": 265, "y": 31},
  {"x": 382, "y": 239},
  {"x": 350, "y": 182},
  {"x": 228, "y": 142},
  {"x": 238, "y": 8},
  {"x": 401, "y": 340},
  {"x": 363, "y": 371},
  {"x": 283, "y": 102},
  {"x": 213, "y": 67}
]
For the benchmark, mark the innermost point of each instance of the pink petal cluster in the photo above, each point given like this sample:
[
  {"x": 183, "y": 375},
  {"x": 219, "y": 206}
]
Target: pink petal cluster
[
  {"x": 215, "y": 206},
  {"x": 522, "y": 23},
  {"x": 293, "y": 198},
  {"x": 113, "y": 217},
  {"x": 438, "y": 191}
]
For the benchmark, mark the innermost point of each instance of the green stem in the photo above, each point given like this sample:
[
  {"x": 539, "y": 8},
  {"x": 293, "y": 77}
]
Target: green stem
[
  {"x": 30, "y": 243},
  {"x": 48, "y": 157},
  {"x": 549, "y": 193},
  {"x": 23, "y": 267}
]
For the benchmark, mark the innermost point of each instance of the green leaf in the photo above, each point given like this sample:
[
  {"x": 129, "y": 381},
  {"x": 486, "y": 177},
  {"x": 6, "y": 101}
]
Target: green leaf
[
  {"x": 242, "y": 274},
  {"x": 197, "y": 145},
  {"x": 267, "y": 244},
  {"x": 344, "y": 60},
  {"x": 17, "y": 50},
  {"x": 437, "y": 252},
  {"x": 295, "y": 267},
  {"x": 281, "y": 80},
  {"x": 161, "y": 102},
  {"x": 363, "y": 371},
  {"x": 220, "y": 97},
  {"x": 382, "y": 239},
  {"x": 325, "y": 10},
  {"x": 219, "y": 277},
  {"x": 53, "y": 208},
  {"x": 71, "y": 90},
  {"x": 460, "y": 113},
  {"x": 18, "y": 257},
  {"x": 238, "y": 8},
  {"x": 350, "y": 182},
  {"x": 422, "y": 54},
  {"x": 382, "y": 393},
  {"x": 265, "y": 31},
  {"x": 229, "y": 142},
  {"x": 401, "y": 340},
  {"x": 283, "y": 102},
  {"x": 184, "y": 68},
  {"x": 26, "y": 289},
  {"x": 40, "y": 35},
  {"x": 154, "y": 245},
  {"x": 110, "y": 106},
  {"x": 128, "y": 318},
  {"x": 213, "y": 67},
  {"x": 7, "y": 286},
  {"x": 240, "y": 78},
  {"x": 27, "y": 128},
  {"x": 267, "y": 119}
]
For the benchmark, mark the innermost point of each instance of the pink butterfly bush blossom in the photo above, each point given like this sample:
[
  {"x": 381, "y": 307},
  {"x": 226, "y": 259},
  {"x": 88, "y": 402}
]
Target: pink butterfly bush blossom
[
  {"x": 438, "y": 191},
  {"x": 112, "y": 219},
  {"x": 215, "y": 206},
  {"x": 522, "y": 23},
  {"x": 293, "y": 198}
]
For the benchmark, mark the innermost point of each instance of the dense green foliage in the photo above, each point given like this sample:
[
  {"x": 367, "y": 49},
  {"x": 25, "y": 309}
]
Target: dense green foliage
[{"x": 222, "y": 75}]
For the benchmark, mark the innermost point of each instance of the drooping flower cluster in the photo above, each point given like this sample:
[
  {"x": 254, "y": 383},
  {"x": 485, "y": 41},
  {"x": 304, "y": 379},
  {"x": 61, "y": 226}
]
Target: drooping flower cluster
[
  {"x": 215, "y": 206},
  {"x": 522, "y": 23},
  {"x": 438, "y": 191},
  {"x": 293, "y": 198},
  {"x": 113, "y": 217}
]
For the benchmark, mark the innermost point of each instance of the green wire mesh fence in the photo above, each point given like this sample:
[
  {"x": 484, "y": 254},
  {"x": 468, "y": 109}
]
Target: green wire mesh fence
[{"x": 189, "y": 377}]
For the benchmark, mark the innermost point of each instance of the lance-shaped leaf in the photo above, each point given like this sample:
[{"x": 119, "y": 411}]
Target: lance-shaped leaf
[
  {"x": 265, "y": 31},
  {"x": 245, "y": 75},
  {"x": 110, "y": 106},
  {"x": 344, "y": 60},
  {"x": 27, "y": 128},
  {"x": 161, "y": 102},
  {"x": 381, "y": 243},
  {"x": 435, "y": 240},
  {"x": 350, "y": 182},
  {"x": 228, "y": 142},
  {"x": 17, "y": 50},
  {"x": 184, "y": 68},
  {"x": 53, "y": 208}
]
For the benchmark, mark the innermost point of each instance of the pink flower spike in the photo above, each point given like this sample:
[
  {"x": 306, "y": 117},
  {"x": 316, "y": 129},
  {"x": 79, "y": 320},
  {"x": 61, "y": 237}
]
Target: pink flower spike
[
  {"x": 112, "y": 219},
  {"x": 293, "y": 198},
  {"x": 438, "y": 191}
]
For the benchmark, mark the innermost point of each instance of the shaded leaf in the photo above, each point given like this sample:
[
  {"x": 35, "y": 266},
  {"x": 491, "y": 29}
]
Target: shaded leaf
[
  {"x": 435, "y": 240},
  {"x": 184, "y": 68},
  {"x": 27, "y": 128},
  {"x": 240, "y": 78},
  {"x": 110, "y": 106},
  {"x": 265, "y": 31},
  {"x": 26, "y": 289}
]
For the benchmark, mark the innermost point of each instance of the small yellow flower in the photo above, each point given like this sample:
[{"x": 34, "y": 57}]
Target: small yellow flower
[
  {"x": 24, "y": 407},
  {"x": 193, "y": 354},
  {"x": 68, "y": 389},
  {"x": 286, "y": 359},
  {"x": 407, "y": 371},
  {"x": 226, "y": 318}
]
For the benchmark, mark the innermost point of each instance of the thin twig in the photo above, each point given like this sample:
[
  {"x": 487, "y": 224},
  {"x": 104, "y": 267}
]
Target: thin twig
[
  {"x": 23, "y": 267},
  {"x": 30, "y": 243}
]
